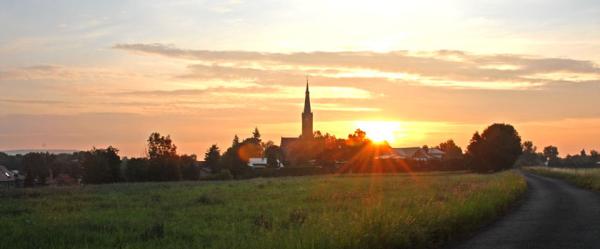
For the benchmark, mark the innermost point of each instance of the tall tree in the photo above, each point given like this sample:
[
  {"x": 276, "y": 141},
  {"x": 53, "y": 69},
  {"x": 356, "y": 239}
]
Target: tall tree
[
  {"x": 212, "y": 158},
  {"x": 163, "y": 160},
  {"x": 497, "y": 148},
  {"x": 236, "y": 141},
  {"x": 256, "y": 135}
]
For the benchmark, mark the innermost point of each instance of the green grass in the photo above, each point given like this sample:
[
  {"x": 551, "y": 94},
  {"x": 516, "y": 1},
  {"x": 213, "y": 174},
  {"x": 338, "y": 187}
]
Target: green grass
[
  {"x": 586, "y": 178},
  {"x": 367, "y": 211}
]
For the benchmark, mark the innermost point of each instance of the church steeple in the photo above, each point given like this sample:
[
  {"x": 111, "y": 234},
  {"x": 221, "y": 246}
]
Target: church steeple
[
  {"x": 307, "y": 99},
  {"x": 307, "y": 115}
]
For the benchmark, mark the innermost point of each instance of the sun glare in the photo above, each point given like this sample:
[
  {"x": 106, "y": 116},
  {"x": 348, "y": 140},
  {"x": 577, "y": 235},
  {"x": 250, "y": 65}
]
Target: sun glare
[{"x": 380, "y": 131}]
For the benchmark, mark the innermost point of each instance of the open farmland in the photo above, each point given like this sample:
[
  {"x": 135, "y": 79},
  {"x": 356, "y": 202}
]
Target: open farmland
[{"x": 349, "y": 211}]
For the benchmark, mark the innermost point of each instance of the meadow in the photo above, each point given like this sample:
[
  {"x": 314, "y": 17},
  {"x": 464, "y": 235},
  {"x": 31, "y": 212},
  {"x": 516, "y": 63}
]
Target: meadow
[
  {"x": 425, "y": 210},
  {"x": 588, "y": 178}
]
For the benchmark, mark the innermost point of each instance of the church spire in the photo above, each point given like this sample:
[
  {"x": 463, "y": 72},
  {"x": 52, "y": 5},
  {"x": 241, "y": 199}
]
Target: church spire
[
  {"x": 307, "y": 115},
  {"x": 307, "y": 108}
]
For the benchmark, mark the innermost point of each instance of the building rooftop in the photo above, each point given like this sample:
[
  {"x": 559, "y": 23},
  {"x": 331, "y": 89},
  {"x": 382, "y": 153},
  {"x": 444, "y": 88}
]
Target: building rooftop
[{"x": 6, "y": 175}]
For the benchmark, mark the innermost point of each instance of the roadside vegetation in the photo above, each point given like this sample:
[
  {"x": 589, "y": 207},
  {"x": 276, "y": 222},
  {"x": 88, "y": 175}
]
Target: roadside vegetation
[
  {"x": 588, "y": 178},
  {"x": 423, "y": 210}
]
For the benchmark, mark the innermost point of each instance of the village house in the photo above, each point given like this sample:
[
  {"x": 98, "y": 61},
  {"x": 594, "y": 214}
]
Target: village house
[
  {"x": 9, "y": 179},
  {"x": 261, "y": 163}
]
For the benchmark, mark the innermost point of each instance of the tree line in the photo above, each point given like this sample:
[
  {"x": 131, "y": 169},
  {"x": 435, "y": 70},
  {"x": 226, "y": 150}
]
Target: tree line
[
  {"x": 549, "y": 156},
  {"x": 104, "y": 165},
  {"x": 497, "y": 148},
  {"x": 161, "y": 163}
]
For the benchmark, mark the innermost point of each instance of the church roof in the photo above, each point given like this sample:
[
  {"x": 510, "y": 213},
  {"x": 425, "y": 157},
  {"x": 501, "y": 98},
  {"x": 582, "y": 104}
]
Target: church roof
[{"x": 286, "y": 141}]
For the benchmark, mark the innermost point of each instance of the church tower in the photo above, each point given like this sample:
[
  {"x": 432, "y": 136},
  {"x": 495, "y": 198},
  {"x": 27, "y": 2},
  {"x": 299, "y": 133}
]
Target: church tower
[{"x": 307, "y": 116}]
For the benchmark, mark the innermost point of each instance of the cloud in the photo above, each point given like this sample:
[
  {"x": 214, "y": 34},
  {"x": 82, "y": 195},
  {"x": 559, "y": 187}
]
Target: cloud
[
  {"x": 257, "y": 93},
  {"x": 438, "y": 68},
  {"x": 60, "y": 72},
  {"x": 32, "y": 101},
  {"x": 197, "y": 92}
]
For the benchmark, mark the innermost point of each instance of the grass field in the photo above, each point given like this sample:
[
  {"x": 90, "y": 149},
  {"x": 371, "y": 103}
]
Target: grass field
[
  {"x": 585, "y": 178},
  {"x": 368, "y": 211}
]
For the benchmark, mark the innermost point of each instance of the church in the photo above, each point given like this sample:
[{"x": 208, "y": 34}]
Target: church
[{"x": 307, "y": 127}]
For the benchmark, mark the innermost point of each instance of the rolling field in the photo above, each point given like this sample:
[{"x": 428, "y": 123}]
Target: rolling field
[
  {"x": 588, "y": 178},
  {"x": 366, "y": 211}
]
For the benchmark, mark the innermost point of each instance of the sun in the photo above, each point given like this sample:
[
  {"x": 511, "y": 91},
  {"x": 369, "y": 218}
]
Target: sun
[{"x": 379, "y": 131}]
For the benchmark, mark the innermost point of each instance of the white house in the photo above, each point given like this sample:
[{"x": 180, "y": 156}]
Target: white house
[{"x": 260, "y": 163}]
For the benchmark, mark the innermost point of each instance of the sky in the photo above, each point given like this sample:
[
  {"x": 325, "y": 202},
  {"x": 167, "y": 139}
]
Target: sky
[{"x": 83, "y": 74}]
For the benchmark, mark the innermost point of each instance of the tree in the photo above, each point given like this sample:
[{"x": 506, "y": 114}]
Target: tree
[
  {"x": 136, "y": 170},
  {"x": 160, "y": 146},
  {"x": 273, "y": 155},
  {"x": 11, "y": 162},
  {"x": 101, "y": 166},
  {"x": 451, "y": 150},
  {"x": 475, "y": 148},
  {"x": 189, "y": 167},
  {"x": 231, "y": 159},
  {"x": 212, "y": 158},
  {"x": 497, "y": 148},
  {"x": 333, "y": 149},
  {"x": 251, "y": 147},
  {"x": 236, "y": 141},
  {"x": 256, "y": 135},
  {"x": 37, "y": 167},
  {"x": 67, "y": 165},
  {"x": 163, "y": 160},
  {"x": 551, "y": 152},
  {"x": 594, "y": 155},
  {"x": 551, "y": 155},
  {"x": 528, "y": 147},
  {"x": 530, "y": 157},
  {"x": 358, "y": 137}
]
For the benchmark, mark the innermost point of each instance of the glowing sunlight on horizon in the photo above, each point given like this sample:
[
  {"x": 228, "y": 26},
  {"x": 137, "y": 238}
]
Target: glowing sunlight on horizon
[{"x": 381, "y": 131}]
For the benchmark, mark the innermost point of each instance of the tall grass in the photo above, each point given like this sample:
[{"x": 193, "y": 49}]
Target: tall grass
[
  {"x": 369, "y": 211},
  {"x": 585, "y": 177}
]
